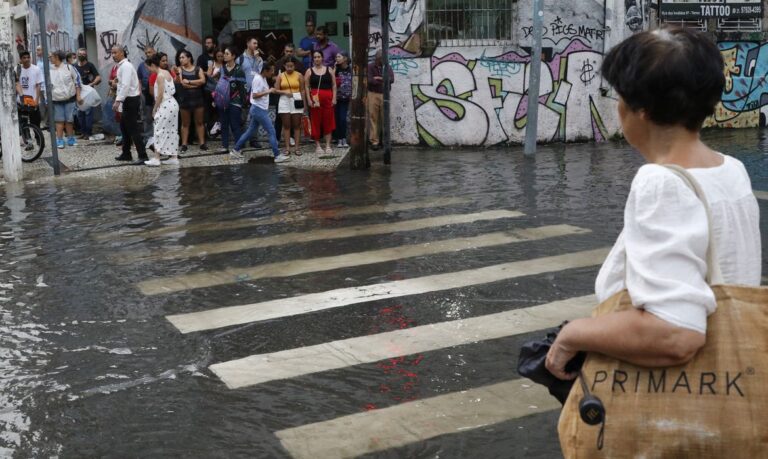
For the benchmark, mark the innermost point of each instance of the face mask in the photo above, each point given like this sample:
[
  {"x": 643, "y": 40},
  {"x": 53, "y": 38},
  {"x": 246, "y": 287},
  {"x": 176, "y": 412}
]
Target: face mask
[{"x": 82, "y": 58}]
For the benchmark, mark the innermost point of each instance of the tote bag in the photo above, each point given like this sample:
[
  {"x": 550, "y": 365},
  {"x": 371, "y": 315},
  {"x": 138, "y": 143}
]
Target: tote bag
[{"x": 715, "y": 406}]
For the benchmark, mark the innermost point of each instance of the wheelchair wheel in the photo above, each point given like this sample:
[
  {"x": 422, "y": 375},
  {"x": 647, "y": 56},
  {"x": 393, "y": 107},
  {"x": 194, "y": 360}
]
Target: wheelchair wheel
[{"x": 33, "y": 142}]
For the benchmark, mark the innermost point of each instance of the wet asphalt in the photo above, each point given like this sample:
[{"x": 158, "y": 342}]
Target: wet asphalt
[{"x": 91, "y": 367}]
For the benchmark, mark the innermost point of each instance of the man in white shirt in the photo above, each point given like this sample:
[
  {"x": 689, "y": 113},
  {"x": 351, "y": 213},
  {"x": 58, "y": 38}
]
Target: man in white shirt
[
  {"x": 30, "y": 78},
  {"x": 128, "y": 106},
  {"x": 259, "y": 113}
]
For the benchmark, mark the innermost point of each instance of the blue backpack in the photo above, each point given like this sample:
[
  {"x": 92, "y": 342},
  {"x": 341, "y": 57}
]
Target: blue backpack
[{"x": 221, "y": 95}]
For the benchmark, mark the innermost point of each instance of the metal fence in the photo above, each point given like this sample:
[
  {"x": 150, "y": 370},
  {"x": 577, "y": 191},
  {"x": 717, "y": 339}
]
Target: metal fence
[
  {"x": 468, "y": 22},
  {"x": 740, "y": 25},
  {"x": 695, "y": 24}
]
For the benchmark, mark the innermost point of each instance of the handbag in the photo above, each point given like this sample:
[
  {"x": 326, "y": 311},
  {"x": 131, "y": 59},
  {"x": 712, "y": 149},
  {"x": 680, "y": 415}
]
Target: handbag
[
  {"x": 298, "y": 102},
  {"x": 306, "y": 125},
  {"x": 711, "y": 407}
]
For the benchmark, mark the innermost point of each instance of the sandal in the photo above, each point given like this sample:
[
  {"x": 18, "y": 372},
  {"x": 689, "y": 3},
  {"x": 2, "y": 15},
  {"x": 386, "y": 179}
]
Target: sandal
[{"x": 297, "y": 152}]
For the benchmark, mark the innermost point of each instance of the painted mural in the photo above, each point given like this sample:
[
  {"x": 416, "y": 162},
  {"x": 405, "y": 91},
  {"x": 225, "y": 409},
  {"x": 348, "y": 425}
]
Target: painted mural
[
  {"x": 165, "y": 26},
  {"x": 745, "y": 98},
  {"x": 63, "y": 27},
  {"x": 478, "y": 96}
]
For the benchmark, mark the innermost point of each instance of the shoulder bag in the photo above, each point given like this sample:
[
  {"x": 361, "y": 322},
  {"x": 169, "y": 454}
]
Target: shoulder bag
[{"x": 712, "y": 407}]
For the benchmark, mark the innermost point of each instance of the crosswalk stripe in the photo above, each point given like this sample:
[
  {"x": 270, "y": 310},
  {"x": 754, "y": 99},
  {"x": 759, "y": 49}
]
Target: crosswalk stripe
[
  {"x": 296, "y": 267},
  {"x": 261, "y": 368},
  {"x": 761, "y": 194},
  {"x": 287, "y": 217},
  {"x": 285, "y": 307},
  {"x": 378, "y": 430},
  {"x": 319, "y": 235}
]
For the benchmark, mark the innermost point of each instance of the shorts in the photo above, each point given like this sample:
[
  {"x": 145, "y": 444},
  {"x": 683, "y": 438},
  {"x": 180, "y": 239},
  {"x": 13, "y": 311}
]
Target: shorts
[
  {"x": 64, "y": 112},
  {"x": 286, "y": 106}
]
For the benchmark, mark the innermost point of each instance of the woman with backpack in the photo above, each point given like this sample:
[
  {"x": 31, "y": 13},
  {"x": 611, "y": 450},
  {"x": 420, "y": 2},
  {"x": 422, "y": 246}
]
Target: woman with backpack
[
  {"x": 229, "y": 97},
  {"x": 343, "y": 96},
  {"x": 292, "y": 104},
  {"x": 191, "y": 78}
]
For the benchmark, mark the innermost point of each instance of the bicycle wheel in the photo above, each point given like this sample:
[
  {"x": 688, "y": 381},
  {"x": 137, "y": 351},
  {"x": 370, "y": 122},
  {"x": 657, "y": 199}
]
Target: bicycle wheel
[{"x": 33, "y": 142}]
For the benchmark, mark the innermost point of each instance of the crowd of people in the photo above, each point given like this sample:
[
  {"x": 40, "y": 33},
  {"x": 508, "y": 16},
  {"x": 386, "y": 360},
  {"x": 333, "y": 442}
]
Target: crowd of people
[{"x": 164, "y": 106}]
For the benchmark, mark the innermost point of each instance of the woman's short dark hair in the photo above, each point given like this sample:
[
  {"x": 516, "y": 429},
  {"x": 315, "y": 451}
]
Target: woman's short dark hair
[
  {"x": 232, "y": 50},
  {"x": 674, "y": 75},
  {"x": 154, "y": 60},
  {"x": 60, "y": 55}
]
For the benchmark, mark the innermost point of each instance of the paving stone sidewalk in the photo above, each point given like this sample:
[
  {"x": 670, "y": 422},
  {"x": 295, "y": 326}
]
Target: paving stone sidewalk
[{"x": 97, "y": 159}]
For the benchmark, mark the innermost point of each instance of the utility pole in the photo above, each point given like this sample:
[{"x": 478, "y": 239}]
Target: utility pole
[
  {"x": 360, "y": 15},
  {"x": 9, "y": 115},
  {"x": 40, "y": 5},
  {"x": 386, "y": 135},
  {"x": 534, "y": 78}
]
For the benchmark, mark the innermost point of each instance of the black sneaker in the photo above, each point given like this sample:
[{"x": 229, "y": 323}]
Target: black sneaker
[
  {"x": 204, "y": 147},
  {"x": 183, "y": 149}
]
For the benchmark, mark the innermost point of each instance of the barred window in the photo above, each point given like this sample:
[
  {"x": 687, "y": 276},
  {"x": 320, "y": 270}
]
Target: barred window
[
  {"x": 468, "y": 22},
  {"x": 695, "y": 24},
  {"x": 740, "y": 25}
]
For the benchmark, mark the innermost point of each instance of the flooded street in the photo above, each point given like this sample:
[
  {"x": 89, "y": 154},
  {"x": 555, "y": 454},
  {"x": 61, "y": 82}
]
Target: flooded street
[{"x": 136, "y": 315}]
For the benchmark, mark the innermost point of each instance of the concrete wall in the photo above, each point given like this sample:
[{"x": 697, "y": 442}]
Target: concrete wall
[
  {"x": 477, "y": 96},
  {"x": 166, "y": 26},
  {"x": 63, "y": 26}
]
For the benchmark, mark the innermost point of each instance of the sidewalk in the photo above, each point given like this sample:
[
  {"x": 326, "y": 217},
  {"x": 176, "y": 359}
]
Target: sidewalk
[{"x": 97, "y": 159}]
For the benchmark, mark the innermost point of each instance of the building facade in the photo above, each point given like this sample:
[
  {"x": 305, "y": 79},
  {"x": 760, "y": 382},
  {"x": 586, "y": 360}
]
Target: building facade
[{"x": 461, "y": 66}]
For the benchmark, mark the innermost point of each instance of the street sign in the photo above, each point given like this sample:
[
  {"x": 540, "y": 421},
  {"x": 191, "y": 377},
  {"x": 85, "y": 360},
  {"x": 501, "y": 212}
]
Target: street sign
[{"x": 703, "y": 10}]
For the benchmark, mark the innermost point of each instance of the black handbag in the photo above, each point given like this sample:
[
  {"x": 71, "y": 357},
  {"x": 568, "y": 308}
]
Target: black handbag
[
  {"x": 532, "y": 360},
  {"x": 298, "y": 104}
]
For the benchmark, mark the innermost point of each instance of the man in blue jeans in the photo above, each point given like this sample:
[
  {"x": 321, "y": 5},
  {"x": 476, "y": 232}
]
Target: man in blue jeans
[{"x": 259, "y": 113}]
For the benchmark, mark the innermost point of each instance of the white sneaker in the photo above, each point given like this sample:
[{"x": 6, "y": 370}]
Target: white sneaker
[
  {"x": 171, "y": 162},
  {"x": 281, "y": 158},
  {"x": 154, "y": 162},
  {"x": 235, "y": 154},
  {"x": 96, "y": 137},
  {"x": 292, "y": 142},
  {"x": 215, "y": 129}
]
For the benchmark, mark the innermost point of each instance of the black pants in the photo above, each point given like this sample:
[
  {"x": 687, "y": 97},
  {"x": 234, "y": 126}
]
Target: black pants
[{"x": 131, "y": 127}]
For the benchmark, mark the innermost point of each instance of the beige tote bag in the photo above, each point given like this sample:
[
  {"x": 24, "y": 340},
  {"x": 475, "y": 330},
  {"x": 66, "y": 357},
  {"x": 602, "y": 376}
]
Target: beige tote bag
[{"x": 715, "y": 406}]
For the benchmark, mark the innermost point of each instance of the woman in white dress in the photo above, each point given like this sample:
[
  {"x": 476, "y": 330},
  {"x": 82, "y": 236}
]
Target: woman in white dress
[{"x": 165, "y": 114}]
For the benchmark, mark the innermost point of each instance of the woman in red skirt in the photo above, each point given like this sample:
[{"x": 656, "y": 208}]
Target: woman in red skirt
[{"x": 320, "y": 84}]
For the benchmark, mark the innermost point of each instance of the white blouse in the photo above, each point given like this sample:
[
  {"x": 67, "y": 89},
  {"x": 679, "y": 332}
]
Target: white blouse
[{"x": 664, "y": 242}]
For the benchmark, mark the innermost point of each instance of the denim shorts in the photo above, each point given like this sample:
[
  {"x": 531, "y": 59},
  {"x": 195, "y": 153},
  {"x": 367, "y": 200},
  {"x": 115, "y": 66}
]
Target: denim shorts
[{"x": 64, "y": 112}]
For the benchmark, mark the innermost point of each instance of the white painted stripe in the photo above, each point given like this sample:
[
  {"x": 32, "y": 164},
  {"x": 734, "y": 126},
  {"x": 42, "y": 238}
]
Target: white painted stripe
[
  {"x": 258, "y": 369},
  {"x": 285, "y": 307},
  {"x": 296, "y": 267},
  {"x": 761, "y": 194},
  {"x": 286, "y": 217},
  {"x": 319, "y": 235},
  {"x": 378, "y": 430}
]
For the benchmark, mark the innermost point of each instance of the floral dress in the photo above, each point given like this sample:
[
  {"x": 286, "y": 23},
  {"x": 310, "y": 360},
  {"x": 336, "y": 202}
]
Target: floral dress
[{"x": 167, "y": 120}]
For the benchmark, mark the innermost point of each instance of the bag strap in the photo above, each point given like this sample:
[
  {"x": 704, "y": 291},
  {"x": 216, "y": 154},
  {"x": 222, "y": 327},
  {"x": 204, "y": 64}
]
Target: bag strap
[{"x": 714, "y": 275}]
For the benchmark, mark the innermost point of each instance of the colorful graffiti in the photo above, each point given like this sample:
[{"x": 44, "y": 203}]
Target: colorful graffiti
[
  {"x": 64, "y": 27},
  {"x": 405, "y": 19},
  {"x": 483, "y": 101},
  {"x": 745, "y": 98}
]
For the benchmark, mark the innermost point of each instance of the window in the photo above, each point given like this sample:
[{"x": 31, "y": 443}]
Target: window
[
  {"x": 739, "y": 25},
  {"x": 468, "y": 22},
  {"x": 695, "y": 24}
]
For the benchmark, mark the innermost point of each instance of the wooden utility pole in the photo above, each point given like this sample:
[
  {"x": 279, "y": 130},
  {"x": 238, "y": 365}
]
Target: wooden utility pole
[
  {"x": 9, "y": 115},
  {"x": 360, "y": 15},
  {"x": 386, "y": 125}
]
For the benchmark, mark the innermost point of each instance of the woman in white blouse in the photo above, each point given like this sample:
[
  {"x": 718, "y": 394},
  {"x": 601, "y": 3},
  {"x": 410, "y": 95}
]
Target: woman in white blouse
[{"x": 668, "y": 81}]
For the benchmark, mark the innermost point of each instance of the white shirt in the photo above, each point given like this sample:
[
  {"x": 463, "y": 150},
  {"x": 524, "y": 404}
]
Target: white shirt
[
  {"x": 29, "y": 79},
  {"x": 664, "y": 242},
  {"x": 127, "y": 81},
  {"x": 259, "y": 84},
  {"x": 64, "y": 81}
]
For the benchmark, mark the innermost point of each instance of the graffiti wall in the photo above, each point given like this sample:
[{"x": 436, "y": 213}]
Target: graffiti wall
[
  {"x": 745, "y": 98},
  {"x": 166, "y": 26},
  {"x": 63, "y": 27},
  {"x": 478, "y": 96}
]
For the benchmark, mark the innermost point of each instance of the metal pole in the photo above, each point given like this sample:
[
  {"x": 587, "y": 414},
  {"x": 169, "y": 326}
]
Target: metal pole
[
  {"x": 9, "y": 116},
  {"x": 533, "y": 81},
  {"x": 48, "y": 87},
  {"x": 358, "y": 153},
  {"x": 386, "y": 135}
]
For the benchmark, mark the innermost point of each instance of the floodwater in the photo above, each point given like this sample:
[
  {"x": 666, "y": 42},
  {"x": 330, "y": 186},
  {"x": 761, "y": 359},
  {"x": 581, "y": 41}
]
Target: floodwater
[{"x": 91, "y": 366}]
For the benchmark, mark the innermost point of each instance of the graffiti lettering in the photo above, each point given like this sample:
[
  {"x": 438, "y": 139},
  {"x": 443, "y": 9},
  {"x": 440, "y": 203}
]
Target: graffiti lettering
[
  {"x": 402, "y": 66},
  {"x": 587, "y": 73},
  {"x": 558, "y": 29},
  {"x": 147, "y": 42},
  {"x": 374, "y": 38},
  {"x": 108, "y": 39}
]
